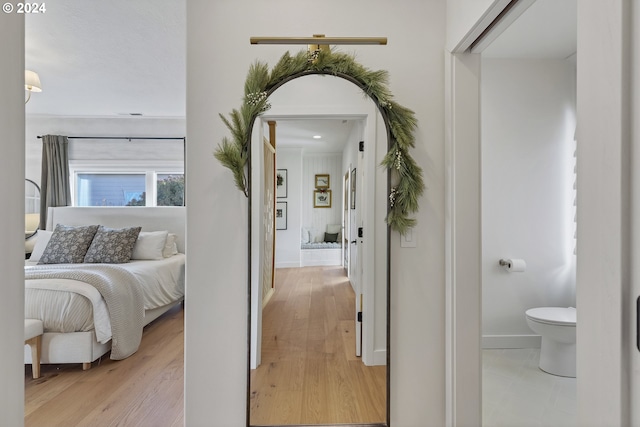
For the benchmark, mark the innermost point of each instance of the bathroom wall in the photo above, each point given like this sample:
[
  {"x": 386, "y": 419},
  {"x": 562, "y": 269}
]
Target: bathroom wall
[{"x": 528, "y": 127}]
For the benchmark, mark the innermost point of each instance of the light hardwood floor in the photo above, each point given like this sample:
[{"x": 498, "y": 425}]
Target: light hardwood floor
[
  {"x": 146, "y": 389},
  {"x": 309, "y": 372}
]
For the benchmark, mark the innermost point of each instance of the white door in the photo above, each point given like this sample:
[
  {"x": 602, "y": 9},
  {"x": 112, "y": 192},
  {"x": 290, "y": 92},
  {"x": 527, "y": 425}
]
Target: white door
[{"x": 354, "y": 269}]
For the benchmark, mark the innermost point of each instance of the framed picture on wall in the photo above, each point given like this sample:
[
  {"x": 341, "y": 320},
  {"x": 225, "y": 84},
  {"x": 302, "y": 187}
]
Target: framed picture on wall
[
  {"x": 322, "y": 181},
  {"x": 322, "y": 198},
  {"x": 281, "y": 183},
  {"x": 281, "y": 215}
]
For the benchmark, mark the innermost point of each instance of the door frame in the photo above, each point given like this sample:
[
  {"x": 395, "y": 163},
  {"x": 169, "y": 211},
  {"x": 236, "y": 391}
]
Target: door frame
[
  {"x": 605, "y": 276},
  {"x": 369, "y": 114}
]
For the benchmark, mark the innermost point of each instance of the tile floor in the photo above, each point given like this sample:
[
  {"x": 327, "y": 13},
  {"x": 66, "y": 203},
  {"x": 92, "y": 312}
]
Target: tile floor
[{"x": 516, "y": 393}]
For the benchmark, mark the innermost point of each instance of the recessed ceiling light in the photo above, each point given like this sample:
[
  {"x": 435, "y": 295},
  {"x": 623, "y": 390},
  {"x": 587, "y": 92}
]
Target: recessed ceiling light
[{"x": 317, "y": 136}]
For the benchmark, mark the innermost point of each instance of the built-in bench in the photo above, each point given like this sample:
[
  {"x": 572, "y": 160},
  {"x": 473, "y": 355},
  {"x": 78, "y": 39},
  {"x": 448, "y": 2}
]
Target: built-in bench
[{"x": 320, "y": 253}]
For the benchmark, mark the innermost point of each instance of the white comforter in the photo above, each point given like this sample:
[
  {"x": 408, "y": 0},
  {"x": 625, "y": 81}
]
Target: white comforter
[{"x": 67, "y": 305}]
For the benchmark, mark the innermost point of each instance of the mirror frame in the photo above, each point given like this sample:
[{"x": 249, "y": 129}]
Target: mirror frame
[
  {"x": 385, "y": 118},
  {"x": 39, "y": 196}
]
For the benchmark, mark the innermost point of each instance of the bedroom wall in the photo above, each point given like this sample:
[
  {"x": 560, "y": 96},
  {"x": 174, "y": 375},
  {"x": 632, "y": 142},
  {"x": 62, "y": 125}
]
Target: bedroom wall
[
  {"x": 217, "y": 278},
  {"x": 288, "y": 241},
  {"x": 12, "y": 111},
  {"x": 528, "y": 127},
  {"x": 318, "y": 218},
  {"x": 104, "y": 149}
]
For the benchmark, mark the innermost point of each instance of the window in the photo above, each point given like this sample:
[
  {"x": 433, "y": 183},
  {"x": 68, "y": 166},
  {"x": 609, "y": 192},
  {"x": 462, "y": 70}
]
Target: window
[{"x": 105, "y": 184}]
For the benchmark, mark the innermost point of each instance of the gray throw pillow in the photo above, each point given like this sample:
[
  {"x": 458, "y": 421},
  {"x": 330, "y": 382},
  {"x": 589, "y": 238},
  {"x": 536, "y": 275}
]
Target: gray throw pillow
[
  {"x": 68, "y": 244},
  {"x": 112, "y": 245},
  {"x": 331, "y": 237}
]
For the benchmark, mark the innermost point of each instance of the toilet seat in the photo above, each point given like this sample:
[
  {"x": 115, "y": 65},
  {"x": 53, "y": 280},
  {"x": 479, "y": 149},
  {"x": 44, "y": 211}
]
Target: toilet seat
[{"x": 562, "y": 316}]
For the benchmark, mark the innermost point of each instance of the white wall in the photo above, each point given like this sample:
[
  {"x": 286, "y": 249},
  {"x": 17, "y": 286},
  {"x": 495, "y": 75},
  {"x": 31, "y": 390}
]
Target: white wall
[
  {"x": 301, "y": 170},
  {"x": 634, "y": 395},
  {"x": 288, "y": 241},
  {"x": 104, "y": 149},
  {"x": 217, "y": 313},
  {"x": 318, "y": 218},
  {"x": 350, "y": 152},
  {"x": 466, "y": 19},
  {"x": 605, "y": 217},
  {"x": 528, "y": 126},
  {"x": 12, "y": 195}
]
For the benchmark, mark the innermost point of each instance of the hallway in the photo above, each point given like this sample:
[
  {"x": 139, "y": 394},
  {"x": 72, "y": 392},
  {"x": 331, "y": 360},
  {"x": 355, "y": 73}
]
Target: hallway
[{"x": 309, "y": 372}]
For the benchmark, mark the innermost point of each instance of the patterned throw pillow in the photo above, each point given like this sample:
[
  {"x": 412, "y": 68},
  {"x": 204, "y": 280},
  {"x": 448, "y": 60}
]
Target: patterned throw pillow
[
  {"x": 112, "y": 245},
  {"x": 68, "y": 244}
]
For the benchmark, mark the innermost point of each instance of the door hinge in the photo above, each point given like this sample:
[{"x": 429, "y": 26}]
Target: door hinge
[
  {"x": 360, "y": 316},
  {"x": 361, "y": 146},
  {"x": 360, "y": 232}
]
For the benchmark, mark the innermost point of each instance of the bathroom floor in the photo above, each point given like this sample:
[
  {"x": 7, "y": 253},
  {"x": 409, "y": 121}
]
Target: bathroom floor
[{"x": 516, "y": 393}]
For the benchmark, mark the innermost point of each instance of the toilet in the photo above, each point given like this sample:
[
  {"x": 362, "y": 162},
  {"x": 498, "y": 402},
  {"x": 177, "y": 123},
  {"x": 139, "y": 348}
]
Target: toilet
[{"x": 557, "y": 327}]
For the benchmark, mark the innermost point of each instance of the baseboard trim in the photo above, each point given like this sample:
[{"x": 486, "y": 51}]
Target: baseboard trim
[
  {"x": 511, "y": 341},
  {"x": 379, "y": 357},
  {"x": 293, "y": 264}
]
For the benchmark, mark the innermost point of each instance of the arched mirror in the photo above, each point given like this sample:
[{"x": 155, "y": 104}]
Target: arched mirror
[
  {"x": 319, "y": 258},
  {"x": 318, "y": 326},
  {"x": 31, "y": 208}
]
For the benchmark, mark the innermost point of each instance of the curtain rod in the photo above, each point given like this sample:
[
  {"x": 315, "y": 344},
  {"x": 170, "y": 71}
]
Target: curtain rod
[{"x": 124, "y": 137}]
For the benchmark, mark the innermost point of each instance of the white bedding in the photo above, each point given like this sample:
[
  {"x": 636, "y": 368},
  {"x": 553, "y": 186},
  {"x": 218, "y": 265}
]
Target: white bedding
[{"x": 66, "y": 305}]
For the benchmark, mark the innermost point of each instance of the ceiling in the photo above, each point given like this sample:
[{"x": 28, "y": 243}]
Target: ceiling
[
  {"x": 108, "y": 58},
  {"x": 546, "y": 29},
  {"x": 299, "y": 133},
  {"x": 123, "y": 58}
]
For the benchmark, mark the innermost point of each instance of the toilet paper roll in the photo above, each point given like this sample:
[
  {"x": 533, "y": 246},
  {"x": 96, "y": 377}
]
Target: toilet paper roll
[{"x": 516, "y": 265}]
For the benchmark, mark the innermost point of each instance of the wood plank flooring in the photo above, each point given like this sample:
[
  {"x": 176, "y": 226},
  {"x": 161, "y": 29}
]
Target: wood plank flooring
[
  {"x": 146, "y": 389},
  {"x": 309, "y": 372}
]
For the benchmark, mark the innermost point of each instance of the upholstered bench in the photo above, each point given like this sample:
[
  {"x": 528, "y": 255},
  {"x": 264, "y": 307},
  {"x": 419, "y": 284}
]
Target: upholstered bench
[{"x": 33, "y": 338}]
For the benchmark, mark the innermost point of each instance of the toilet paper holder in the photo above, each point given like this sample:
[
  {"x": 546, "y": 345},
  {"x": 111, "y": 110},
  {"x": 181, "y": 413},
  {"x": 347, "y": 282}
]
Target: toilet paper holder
[{"x": 513, "y": 265}]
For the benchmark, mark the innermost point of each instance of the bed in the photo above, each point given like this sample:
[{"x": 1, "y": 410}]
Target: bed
[{"x": 90, "y": 309}]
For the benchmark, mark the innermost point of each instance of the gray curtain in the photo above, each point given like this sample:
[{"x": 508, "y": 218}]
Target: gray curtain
[{"x": 54, "y": 183}]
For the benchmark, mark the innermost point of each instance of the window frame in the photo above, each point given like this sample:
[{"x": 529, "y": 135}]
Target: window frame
[{"x": 150, "y": 168}]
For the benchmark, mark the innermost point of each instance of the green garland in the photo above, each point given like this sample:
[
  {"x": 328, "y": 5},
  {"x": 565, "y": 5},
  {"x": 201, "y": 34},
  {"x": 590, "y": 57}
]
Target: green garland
[{"x": 406, "y": 176}]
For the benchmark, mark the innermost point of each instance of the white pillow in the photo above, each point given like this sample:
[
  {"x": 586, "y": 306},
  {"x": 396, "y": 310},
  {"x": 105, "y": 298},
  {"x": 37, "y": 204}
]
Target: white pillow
[
  {"x": 170, "y": 246},
  {"x": 42, "y": 239},
  {"x": 304, "y": 238},
  {"x": 150, "y": 245},
  {"x": 316, "y": 236},
  {"x": 333, "y": 228}
]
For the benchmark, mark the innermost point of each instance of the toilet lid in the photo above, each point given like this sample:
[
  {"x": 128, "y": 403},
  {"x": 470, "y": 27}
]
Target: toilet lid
[{"x": 554, "y": 315}]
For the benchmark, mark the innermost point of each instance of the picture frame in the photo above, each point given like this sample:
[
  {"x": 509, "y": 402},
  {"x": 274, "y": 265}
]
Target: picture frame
[
  {"x": 322, "y": 198},
  {"x": 282, "y": 183},
  {"x": 322, "y": 181},
  {"x": 281, "y": 215},
  {"x": 353, "y": 188}
]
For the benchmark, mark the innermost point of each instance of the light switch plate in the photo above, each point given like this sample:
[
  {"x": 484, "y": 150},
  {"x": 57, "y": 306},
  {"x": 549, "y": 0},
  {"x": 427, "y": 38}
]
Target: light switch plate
[{"x": 409, "y": 239}]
